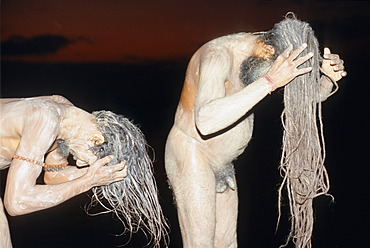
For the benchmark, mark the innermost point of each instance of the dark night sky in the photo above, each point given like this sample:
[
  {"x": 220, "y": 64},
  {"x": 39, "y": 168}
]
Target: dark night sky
[{"x": 130, "y": 57}]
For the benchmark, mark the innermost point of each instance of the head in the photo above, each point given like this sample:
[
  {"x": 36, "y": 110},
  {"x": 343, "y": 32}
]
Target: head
[
  {"x": 258, "y": 63},
  {"x": 274, "y": 42},
  {"x": 79, "y": 134},
  {"x": 134, "y": 200}
]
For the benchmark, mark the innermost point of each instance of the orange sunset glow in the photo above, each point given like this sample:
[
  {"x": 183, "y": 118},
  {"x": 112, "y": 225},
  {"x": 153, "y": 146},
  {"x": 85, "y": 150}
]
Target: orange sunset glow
[
  {"x": 131, "y": 56},
  {"x": 131, "y": 31}
]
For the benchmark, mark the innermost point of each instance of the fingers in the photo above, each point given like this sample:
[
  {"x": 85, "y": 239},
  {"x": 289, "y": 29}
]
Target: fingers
[
  {"x": 119, "y": 167},
  {"x": 335, "y": 62},
  {"x": 103, "y": 161},
  {"x": 293, "y": 56},
  {"x": 303, "y": 59},
  {"x": 303, "y": 71},
  {"x": 298, "y": 51},
  {"x": 287, "y": 51},
  {"x": 326, "y": 52},
  {"x": 119, "y": 171},
  {"x": 285, "y": 67},
  {"x": 334, "y": 58}
]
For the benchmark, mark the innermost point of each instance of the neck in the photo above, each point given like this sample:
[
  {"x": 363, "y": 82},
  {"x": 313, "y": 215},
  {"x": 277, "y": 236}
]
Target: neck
[{"x": 71, "y": 122}]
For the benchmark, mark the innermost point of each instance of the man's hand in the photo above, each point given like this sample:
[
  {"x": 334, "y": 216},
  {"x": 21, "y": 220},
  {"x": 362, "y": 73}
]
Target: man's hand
[
  {"x": 284, "y": 69},
  {"x": 104, "y": 175},
  {"x": 333, "y": 65}
]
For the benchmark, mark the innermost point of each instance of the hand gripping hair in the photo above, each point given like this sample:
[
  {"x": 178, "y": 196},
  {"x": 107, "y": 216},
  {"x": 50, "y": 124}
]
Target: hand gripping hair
[
  {"x": 133, "y": 200},
  {"x": 303, "y": 151}
]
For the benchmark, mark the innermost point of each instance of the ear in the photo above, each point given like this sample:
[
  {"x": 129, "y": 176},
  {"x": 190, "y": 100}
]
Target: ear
[
  {"x": 264, "y": 51},
  {"x": 269, "y": 49},
  {"x": 268, "y": 52},
  {"x": 97, "y": 139}
]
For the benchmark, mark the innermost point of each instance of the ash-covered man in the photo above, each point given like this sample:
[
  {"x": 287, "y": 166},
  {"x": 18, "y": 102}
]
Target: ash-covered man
[
  {"x": 225, "y": 78},
  {"x": 31, "y": 129}
]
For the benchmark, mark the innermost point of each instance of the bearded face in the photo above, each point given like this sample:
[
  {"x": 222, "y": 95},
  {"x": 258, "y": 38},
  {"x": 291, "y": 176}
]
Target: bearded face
[
  {"x": 253, "y": 67},
  {"x": 79, "y": 134}
]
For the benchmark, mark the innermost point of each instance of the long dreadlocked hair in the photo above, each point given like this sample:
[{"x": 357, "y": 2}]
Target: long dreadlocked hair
[
  {"x": 303, "y": 149},
  {"x": 133, "y": 200}
]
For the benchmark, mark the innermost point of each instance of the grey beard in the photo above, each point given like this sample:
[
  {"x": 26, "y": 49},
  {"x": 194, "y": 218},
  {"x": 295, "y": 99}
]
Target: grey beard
[{"x": 253, "y": 68}]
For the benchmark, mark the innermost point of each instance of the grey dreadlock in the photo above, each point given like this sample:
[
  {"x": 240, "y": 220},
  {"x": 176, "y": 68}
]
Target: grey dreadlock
[
  {"x": 303, "y": 150},
  {"x": 134, "y": 200}
]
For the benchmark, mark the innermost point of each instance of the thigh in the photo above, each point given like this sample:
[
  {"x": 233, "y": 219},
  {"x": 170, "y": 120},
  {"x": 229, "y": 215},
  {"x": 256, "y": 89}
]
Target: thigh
[
  {"x": 193, "y": 183},
  {"x": 226, "y": 219}
]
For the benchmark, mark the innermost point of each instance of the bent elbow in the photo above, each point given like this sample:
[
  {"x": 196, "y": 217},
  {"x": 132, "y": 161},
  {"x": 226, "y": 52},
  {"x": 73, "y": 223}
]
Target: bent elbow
[
  {"x": 14, "y": 207},
  {"x": 13, "y": 210},
  {"x": 203, "y": 126},
  {"x": 203, "y": 130}
]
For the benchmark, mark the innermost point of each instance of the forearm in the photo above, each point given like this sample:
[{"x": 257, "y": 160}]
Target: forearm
[
  {"x": 64, "y": 174},
  {"x": 67, "y": 174},
  {"x": 223, "y": 112},
  {"x": 326, "y": 87},
  {"x": 40, "y": 197}
]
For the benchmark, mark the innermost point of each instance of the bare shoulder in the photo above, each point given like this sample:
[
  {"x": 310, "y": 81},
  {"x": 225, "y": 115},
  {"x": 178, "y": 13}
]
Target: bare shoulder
[
  {"x": 53, "y": 98},
  {"x": 232, "y": 38},
  {"x": 53, "y": 102},
  {"x": 236, "y": 46},
  {"x": 40, "y": 108},
  {"x": 31, "y": 119},
  {"x": 60, "y": 99}
]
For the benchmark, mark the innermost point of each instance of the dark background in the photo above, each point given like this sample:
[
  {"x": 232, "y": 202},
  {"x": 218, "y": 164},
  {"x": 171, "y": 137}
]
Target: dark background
[{"x": 148, "y": 94}]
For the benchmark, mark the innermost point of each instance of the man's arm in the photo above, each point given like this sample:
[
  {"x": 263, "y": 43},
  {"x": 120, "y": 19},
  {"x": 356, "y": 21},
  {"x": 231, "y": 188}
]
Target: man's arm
[
  {"x": 66, "y": 174},
  {"x": 214, "y": 111},
  {"x": 22, "y": 195},
  {"x": 333, "y": 67}
]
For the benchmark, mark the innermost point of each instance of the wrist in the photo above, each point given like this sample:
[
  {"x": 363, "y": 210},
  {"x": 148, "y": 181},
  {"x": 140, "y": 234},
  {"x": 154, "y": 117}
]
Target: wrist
[{"x": 270, "y": 81}]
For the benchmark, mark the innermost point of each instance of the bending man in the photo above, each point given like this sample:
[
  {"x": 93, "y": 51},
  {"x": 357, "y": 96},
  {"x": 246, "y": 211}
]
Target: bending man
[
  {"x": 30, "y": 132},
  {"x": 225, "y": 78}
]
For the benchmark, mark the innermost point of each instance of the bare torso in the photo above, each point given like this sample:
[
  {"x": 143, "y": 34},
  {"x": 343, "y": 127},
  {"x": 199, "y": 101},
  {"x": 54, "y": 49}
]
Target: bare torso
[
  {"x": 29, "y": 130},
  {"x": 213, "y": 125},
  {"x": 224, "y": 145},
  {"x": 14, "y": 113}
]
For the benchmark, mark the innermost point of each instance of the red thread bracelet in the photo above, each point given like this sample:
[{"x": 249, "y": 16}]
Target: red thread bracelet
[{"x": 273, "y": 84}]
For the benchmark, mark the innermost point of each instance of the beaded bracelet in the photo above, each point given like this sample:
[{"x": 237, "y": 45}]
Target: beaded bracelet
[
  {"x": 32, "y": 161},
  {"x": 46, "y": 167},
  {"x": 55, "y": 167}
]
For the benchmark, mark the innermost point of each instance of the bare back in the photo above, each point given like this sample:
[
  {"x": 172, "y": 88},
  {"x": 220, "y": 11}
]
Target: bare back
[{"x": 19, "y": 114}]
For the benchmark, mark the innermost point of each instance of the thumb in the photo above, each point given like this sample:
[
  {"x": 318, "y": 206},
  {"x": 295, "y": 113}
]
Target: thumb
[{"x": 326, "y": 52}]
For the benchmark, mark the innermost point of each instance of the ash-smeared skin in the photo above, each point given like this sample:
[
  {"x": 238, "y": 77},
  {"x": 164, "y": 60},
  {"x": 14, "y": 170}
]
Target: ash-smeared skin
[
  {"x": 212, "y": 127},
  {"x": 30, "y": 128}
]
